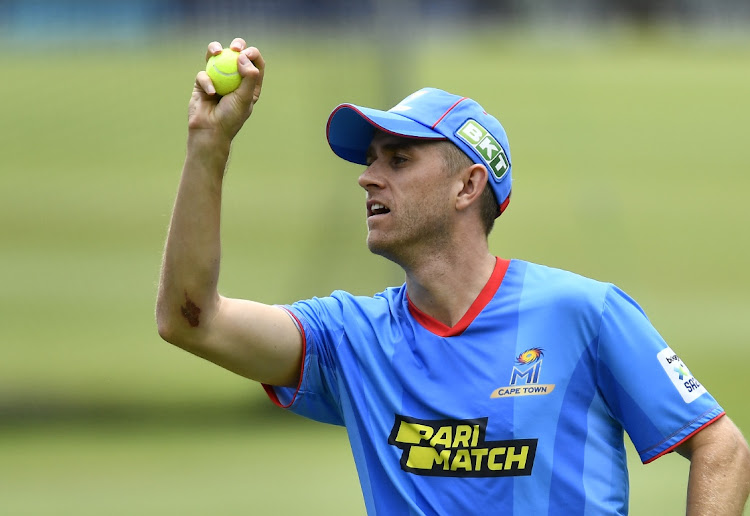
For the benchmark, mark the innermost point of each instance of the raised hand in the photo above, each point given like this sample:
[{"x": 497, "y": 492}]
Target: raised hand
[{"x": 223, "y": 117}]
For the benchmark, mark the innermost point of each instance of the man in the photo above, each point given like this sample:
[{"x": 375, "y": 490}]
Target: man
[{"x": 481, "y": 385}]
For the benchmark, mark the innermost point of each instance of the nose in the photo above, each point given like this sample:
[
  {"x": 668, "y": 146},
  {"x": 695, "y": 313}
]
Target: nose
[{"x": 370, "y": 178}]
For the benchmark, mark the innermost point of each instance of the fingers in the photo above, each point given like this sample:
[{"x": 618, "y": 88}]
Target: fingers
[
  {"x": 213, "y": 48},
  {"x": 251, "y": 66},
  {"x": 232, "y": 110},
  {"x": 250, "y": 63},
  {"x": 227, "y": 113},
  {"x": 238, "y": 44},
  {"x": 204, "y": 82},
  {"x": 253, "y": 54}
]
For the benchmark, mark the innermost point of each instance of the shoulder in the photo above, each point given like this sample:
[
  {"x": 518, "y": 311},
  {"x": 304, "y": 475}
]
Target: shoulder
[
  {"x": 380, "y": 302},
  {"x": 567, "y": 294},
  {"x": 341, "y": 306},
  {"x": 543, "y": 284}
]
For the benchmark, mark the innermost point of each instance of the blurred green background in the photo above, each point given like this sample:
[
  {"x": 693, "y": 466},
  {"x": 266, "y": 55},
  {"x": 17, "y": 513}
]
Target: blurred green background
[{"x": 630, "y": 165}]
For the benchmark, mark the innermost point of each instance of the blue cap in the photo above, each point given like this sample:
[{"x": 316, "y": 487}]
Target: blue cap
[{"x": 429, "y": 114}]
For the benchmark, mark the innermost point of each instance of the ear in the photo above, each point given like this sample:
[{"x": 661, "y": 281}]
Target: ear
[{"x": 473, "y": 181}]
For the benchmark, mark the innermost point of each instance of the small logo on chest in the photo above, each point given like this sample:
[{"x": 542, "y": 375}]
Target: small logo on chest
[{"x": 524, "y": 379}]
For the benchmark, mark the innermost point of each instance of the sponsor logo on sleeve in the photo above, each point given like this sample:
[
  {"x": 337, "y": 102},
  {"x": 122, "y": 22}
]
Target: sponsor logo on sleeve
[{"x": 683, "y": 380}]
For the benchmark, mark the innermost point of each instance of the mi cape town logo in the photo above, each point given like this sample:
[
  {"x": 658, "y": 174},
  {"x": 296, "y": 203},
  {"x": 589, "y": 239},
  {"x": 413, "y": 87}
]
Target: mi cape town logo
[
  {"x": 525, "y": 382},
  {"x": 456, "y": 448},
  {"x": 486, "y": 146}
]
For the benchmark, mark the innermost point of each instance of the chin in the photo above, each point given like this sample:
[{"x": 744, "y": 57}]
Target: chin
[
  {"x": 391, "y": 251},
  {"x": 380, "y": 247},
  {"x": 374, "y": 245}
]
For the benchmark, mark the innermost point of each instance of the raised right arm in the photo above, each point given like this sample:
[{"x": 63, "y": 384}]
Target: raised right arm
[{"x": 251, "y": 339}]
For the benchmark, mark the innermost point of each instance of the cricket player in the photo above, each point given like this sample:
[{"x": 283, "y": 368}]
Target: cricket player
[{"x": 481, "y": 385}]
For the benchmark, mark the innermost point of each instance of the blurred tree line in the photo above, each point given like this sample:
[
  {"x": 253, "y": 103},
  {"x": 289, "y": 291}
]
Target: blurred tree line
[{"x": 18, "y": 18}]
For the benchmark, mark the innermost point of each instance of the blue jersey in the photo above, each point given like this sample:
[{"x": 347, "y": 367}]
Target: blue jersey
[{"x": 518, "y": 409}]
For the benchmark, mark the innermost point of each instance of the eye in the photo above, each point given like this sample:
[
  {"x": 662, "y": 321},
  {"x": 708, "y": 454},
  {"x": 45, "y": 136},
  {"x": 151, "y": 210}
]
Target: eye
[{"x": 398, "y": 159}]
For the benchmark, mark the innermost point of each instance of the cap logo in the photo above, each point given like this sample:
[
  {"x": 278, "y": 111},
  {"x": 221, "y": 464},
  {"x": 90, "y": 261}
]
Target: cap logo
[{"x": 486, "y": 146}]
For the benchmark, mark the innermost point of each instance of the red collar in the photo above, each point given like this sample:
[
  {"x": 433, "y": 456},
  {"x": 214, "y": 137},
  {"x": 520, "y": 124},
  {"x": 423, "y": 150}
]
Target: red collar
[{"x": 488, "y": 292}]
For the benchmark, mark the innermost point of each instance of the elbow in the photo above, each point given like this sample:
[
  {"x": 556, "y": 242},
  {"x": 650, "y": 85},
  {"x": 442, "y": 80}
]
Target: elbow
[
  {"x": 183, "y": 324},
  {"x": 166, "y": 323},
  {"x": 173, "y": 332},
  {"x": 165, "y": 329},
  {"x": 178, "y": 326},
  {"x": 165, "y": 326}
]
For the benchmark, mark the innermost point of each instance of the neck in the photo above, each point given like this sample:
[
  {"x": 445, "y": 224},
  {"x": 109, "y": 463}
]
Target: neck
[{"x": 444, "y": 285}]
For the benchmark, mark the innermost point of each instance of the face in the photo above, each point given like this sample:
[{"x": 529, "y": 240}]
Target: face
[{"x": 408, "y": 196}]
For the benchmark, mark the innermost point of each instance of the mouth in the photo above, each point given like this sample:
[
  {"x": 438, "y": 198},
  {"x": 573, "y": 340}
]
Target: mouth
[{"x": 376, "y": 208}]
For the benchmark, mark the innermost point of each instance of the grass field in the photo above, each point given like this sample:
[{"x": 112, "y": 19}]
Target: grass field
[{"x": 630, "y": 165}]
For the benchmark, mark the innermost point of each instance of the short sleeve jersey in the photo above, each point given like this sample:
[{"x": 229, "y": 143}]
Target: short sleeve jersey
[{"x": 518, "y": 409}]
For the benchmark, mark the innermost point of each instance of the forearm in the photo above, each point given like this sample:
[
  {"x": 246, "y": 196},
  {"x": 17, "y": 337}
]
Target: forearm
[
  {"x": 719, "y": 476},
  {"x": 190, "y": 269}
]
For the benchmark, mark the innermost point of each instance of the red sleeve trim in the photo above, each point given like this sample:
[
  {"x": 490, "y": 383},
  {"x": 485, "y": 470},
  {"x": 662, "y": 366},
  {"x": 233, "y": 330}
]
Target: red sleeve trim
[
  {"x": 270, "y": 391},
  {"x": 485, "y": 296},
  {"x": 691, "y": 434}
]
